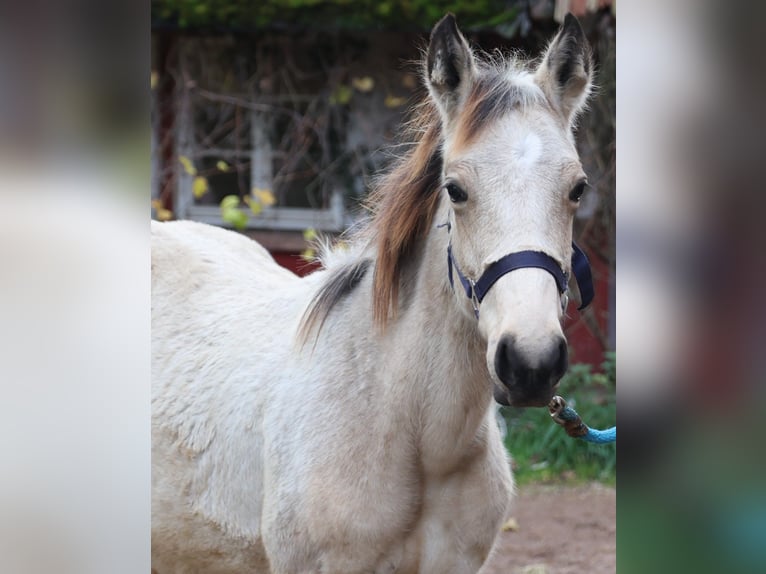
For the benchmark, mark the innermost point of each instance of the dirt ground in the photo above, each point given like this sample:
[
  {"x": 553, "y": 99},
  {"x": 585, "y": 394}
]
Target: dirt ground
[{"x": 559, "y": 530}]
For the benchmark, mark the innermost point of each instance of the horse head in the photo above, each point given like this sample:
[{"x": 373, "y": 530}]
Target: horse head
[{"x": 513, "y": 180}]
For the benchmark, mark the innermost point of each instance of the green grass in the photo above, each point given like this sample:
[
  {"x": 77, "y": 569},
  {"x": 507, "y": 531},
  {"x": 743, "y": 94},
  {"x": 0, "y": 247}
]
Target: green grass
[{"x": 541, "y": 449}]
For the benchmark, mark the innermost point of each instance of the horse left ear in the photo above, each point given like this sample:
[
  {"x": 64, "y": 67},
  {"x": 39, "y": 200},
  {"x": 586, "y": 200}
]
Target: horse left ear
[
  {"x": 566, "y": 72},
  {"x": 450, "y": 68}
]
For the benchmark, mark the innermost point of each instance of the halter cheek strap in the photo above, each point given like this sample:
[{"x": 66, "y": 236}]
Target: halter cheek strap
[
  {"x": 477, "y": 290},
  {"x": 583, "y": 276}
]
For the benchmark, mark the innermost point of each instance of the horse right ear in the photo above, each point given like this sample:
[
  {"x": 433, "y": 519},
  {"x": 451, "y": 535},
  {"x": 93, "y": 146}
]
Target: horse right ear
[{"x": 450, "y": 67}]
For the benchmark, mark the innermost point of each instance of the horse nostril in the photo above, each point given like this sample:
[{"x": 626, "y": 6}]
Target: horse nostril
[
  {"x": 506, "y": 358},
  {"x": 559, "y": 360}
]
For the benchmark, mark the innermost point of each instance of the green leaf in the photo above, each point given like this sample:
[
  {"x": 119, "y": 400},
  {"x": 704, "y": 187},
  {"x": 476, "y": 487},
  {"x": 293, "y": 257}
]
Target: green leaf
[
  {"x": 342, "y": 95},
  {"x": 231, "y": 213},
  {"x": 229, "y": 202},
  {"x": 235, "y": 217}
]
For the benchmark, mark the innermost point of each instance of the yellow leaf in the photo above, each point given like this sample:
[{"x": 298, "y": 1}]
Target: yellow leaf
[
  {"x": 164, "y": 214},
  {"x": 510, "y": 524},
  {"x": 310, "y": 234},
  {"x": 364, "y": 85},
  {"x": 222, "y": 166},
  {"x": 394, "y": 101},
  {"x": 308, "y": 254},
  {"x": 199, "y": 186},
  {"x": 155, "y": 79},
  {"x": 410, "y": 81},
  {"x": 160, "y": 212},
  {"x": 188, "y": 165},
  {"x": 264, "y": 196}
]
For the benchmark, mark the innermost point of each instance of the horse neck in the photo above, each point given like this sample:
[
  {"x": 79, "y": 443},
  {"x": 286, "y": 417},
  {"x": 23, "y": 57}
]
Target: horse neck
[{"x": 440, "y": 356}]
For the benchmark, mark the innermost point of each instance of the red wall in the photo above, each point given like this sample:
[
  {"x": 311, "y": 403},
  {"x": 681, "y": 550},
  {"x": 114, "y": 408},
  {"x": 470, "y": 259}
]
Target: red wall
[
  {"x": 294, "y": 262},
  {"x": 585, "y": 347}
]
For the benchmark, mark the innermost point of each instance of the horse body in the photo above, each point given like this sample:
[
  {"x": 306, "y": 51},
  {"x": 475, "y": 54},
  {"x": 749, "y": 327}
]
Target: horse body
[
  {"x": 343, "y": 422},
  {"x": 307, "y": 459}
]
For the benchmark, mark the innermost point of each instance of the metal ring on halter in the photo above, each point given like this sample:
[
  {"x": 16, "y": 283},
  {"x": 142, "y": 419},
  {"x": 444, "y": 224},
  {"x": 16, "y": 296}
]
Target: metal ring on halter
[{"x": 474, "y": 299}]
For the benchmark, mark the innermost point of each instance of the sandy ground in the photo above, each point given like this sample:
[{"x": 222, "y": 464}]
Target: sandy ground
[{"x": 559, "y": 530}]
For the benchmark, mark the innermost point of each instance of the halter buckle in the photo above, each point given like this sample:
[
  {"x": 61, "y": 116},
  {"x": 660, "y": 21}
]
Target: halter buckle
[{"x": 474, "y": 299}]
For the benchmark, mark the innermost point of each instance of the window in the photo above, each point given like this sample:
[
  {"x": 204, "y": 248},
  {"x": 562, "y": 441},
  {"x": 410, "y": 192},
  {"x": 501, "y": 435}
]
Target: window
[{"x": 281, "y": 116}]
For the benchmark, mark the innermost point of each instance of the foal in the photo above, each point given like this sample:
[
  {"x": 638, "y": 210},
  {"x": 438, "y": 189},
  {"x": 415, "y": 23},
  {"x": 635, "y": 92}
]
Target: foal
[{"x": 343, "y": 422}]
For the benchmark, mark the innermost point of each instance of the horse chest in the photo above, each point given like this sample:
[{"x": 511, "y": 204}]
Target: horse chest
[
  {"x": 395, "y": 521},
  {"x": 457, "y": 525}
]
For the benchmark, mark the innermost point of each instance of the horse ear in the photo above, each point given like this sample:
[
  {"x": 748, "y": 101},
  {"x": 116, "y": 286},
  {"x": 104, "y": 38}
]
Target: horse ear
[
  {"x": 450, "y": 67},
  {"x": 566, "y": 72}
]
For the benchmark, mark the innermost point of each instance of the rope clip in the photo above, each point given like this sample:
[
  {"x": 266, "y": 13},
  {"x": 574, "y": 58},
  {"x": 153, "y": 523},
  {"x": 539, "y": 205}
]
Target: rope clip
[
  {"x": 568, "y": 418},
  {"x": 555, "y": 407}
]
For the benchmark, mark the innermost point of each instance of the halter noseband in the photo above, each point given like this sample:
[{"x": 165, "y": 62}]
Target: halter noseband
[{"x": 477, "y": 290}]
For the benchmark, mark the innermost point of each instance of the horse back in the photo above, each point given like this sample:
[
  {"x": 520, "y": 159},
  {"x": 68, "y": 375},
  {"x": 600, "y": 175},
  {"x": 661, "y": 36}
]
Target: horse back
[{"x": 186, "y": 251}]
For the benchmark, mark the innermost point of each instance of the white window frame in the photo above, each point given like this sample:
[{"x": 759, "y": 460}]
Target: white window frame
[{"x": 277, "y": 218}]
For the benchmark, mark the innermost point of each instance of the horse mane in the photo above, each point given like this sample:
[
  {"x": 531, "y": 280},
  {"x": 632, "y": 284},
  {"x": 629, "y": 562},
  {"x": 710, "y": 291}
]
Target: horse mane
[
  {"x": 402, "y": 203},
  {"x": 404, "y": 199}
]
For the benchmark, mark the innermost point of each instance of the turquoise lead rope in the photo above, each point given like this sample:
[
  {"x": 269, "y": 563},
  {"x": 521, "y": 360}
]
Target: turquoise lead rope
[{"x": 568, "y": 418}]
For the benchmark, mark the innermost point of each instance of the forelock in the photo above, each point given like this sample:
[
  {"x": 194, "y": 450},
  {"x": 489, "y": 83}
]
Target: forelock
[{"x": 501, "y": 86}]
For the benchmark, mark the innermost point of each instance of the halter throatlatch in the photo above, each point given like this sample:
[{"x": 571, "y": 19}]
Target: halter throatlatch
[{"x": 477, "y": 290}]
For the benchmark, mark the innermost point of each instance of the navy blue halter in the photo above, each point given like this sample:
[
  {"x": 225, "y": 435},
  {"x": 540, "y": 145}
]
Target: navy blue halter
[{"x": 477, "y": 290}]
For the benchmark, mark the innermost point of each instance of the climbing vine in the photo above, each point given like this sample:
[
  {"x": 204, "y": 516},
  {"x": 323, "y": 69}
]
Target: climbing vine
[{"x": 338, "y": 14}]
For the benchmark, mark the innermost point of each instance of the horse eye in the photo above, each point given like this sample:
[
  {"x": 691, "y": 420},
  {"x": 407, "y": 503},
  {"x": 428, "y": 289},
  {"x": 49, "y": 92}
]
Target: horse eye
[
  {"x": 456, "y": 193},
  {"x": 577, "y": 191}
]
